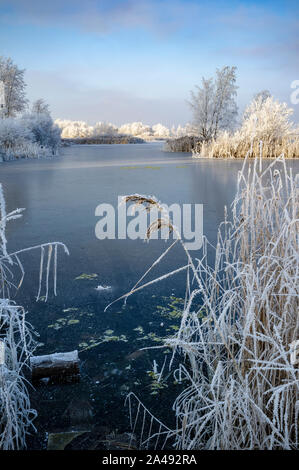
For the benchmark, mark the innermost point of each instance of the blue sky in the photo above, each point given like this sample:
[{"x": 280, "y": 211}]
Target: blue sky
[{"x": 123, "y": 61}]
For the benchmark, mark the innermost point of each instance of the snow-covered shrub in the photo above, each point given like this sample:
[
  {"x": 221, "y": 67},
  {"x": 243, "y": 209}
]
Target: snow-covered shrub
[
  {"x": 13, "y": 133},
  {"x": 183, "y": 139},
  {"x": 28, "y": 149},
  {"x": 182, "y": 144},
  {"x": 45, "y": 132},
  {"x": 32, "y": 136}
]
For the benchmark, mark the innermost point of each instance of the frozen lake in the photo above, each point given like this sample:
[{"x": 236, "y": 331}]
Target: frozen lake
[{"x": 60, "y": 197}]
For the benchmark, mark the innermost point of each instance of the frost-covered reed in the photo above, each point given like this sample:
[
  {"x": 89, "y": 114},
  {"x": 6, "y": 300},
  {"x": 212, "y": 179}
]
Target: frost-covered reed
[
  {"x": 237, "y": 145},
  {"x": 241, "y": 386},
  {"x": 27, "y": 150},
  {"x": 16, "y": 335},
  {"x": 266, "y": 121}
]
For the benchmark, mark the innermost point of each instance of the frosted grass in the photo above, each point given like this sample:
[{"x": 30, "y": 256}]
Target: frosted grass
[
  {"x": 241, "y": 387},
  {"x": 17, "y": 335}
]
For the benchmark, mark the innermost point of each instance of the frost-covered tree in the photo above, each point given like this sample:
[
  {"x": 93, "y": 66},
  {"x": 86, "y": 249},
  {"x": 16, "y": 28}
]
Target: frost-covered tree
[
  {"x": 137, "y": 129},
  {"x": 14, "y": 87},
  {"x": 267, "y": 119},
  {"x": 161, "y": 131},
  {"x": 80, "y": 129},
  {"x": 74, "y": 129},
  {"x": 213, "y": 103},
  {"x": 104, "y": 128},
  {"x": 263, "y": 95},
  {"x": 32, "y": 135},
  {"x": 40, "y": 107},
  {"x": 45, "y": 132}
]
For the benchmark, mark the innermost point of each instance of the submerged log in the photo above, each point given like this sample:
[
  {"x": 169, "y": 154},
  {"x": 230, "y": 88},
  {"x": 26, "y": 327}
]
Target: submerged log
[{"x": 57, "y": 366}]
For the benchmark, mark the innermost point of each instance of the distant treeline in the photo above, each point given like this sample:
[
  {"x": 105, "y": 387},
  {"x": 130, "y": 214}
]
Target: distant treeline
[{"x": 104, "y": 139}]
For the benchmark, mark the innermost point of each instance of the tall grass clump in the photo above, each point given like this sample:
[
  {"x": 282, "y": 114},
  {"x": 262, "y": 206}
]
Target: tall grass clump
[
  {"x": 17, "y": 341},
  {"x": 241, "y": 385},
  {"x": 264, "y": 120}
]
